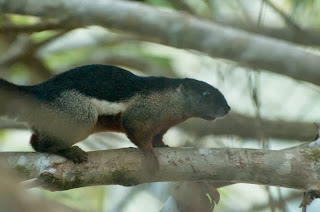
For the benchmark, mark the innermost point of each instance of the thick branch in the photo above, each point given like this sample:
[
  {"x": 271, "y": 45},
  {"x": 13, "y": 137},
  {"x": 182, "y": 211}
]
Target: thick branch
[
  {"x": 179, "y": 30},
  {"x": 293, "y": 168}
]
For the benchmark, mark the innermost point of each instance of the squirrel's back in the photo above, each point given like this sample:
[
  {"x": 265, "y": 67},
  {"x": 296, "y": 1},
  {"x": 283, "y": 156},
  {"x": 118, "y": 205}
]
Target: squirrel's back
[{"x": 105, "y": 82}]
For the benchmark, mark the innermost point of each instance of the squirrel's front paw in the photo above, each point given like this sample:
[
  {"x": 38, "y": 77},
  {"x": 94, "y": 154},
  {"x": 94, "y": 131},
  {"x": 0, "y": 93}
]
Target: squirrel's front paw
[{"x": 75, "y": 154}]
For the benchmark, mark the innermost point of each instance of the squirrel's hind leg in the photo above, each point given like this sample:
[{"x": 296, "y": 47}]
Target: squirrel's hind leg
[{"x": 47, "y": 144}]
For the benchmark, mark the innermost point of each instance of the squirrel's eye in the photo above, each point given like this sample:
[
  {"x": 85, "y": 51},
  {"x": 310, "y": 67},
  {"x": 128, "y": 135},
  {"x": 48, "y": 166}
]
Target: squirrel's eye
[{"x": 206, "y": 94}]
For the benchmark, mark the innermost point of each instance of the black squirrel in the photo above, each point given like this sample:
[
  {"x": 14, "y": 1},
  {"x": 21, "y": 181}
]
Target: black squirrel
[{"x": 70, "y": 106}]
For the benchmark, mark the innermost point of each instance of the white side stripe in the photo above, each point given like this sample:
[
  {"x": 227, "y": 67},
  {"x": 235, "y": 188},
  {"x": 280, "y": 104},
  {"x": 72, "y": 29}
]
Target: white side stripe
[{"x": 108, "y": 108}]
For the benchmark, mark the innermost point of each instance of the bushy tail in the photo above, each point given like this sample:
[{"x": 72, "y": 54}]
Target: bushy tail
[
  {"x": 20, "y": 103},
  {"x": 13, "y": 99},
  {"x": 5, "y": 85}
]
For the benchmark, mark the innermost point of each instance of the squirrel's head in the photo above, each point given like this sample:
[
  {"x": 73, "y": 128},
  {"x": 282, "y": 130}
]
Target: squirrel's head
[{"x": 203, "y": 100}]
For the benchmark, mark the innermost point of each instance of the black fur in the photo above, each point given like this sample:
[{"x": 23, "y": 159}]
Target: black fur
[{"x": 102, "y": 82}]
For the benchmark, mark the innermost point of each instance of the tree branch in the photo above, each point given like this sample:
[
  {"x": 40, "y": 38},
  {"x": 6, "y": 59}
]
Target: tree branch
[
  {"x": 179, "y": 30},
  {"x": 248, "y": 127},
  {"x": 37, "y": 27},
  {"x": 293, "y": 168},
  {"x": 24, "y": 49},
  {"x": 286, "y": 17},
  {"x": 309, "y": 36}
]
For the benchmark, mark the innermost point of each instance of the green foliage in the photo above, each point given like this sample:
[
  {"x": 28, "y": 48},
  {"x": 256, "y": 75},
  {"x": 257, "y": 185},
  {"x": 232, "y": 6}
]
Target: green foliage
[
  {"x": 19, "y": 73},
  {"x": 304, "y": 3},
  {"x": 306, "y": 12},
  {"x": 159, "y": 3},
  {"x": 20, "y": 19},
  {"x": 66, "y": 58},
  {"x": 42, "y": 36}
]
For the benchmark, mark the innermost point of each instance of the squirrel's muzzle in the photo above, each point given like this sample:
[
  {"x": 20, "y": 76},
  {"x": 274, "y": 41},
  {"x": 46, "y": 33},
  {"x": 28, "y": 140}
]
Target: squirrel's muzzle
[{"x": 222, "y": 111}]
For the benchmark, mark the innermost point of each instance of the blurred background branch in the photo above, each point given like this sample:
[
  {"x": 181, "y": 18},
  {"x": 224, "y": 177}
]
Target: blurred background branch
[{"x": 185, "y": 32}]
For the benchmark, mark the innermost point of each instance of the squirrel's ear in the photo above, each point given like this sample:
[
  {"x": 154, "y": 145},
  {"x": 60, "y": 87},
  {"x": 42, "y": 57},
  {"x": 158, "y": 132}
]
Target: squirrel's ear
[
  {"x": 185, "y": 86},
  {"x": 181, "y": 88}
]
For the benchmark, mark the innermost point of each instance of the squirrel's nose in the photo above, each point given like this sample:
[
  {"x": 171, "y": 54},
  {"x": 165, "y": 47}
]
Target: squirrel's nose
[
  {"x": 223, "y": 111},
  {"x": 228, "y": 109}
]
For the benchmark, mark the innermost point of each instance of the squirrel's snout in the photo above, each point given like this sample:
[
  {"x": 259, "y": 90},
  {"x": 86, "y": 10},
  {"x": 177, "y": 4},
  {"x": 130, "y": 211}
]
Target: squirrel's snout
[
  {"x": 228, "y": 109},
  {"x": 223, "y": 111}
]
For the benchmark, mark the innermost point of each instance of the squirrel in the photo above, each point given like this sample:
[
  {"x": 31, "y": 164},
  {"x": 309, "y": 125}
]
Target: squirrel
[{"x": 70, "y": 106}]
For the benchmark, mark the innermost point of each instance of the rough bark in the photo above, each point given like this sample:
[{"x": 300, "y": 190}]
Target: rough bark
[
  {"x": 293, "y": 168},
  {"x": 179, "y": 30}
]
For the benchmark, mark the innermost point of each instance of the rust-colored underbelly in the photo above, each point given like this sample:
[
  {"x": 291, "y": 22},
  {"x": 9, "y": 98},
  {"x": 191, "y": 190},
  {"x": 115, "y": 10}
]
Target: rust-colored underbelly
[{"x": 112, "y": 123}]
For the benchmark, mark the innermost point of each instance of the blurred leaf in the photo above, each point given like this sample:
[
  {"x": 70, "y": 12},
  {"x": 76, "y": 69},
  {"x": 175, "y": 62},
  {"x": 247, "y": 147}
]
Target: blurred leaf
[
  {"x": 21, "y": 19},
  {"x": 158, "y": 60},
  {"x": 159, "y": 3},
  {"x": 297, "y": 3},
  {"x": 44, "y": 35},
  {"x": 19, "y": 73},
  {"x": 213, "y": 193},
  {"x": 66, "y": 58}
]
